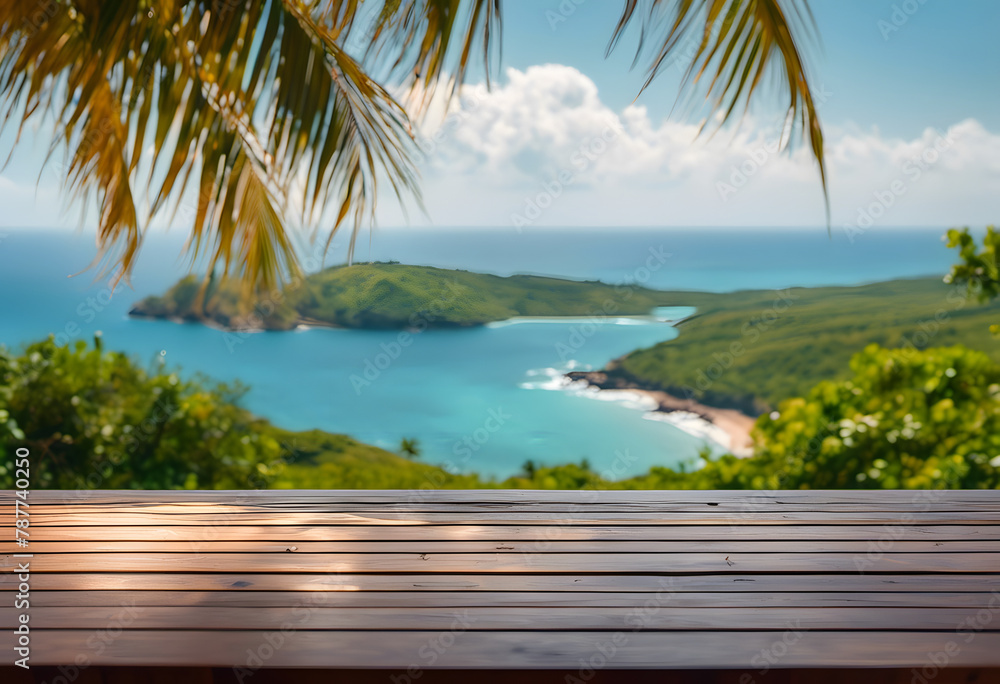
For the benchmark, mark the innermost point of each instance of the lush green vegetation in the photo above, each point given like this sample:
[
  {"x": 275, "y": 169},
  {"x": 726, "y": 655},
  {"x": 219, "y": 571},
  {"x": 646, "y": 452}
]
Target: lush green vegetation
[
  {"x": 978, "y": 270},
  {"x": 905, "y": 419},
  {"x": 751, "y": 350},
  {"x": 95, "y": 419},
  {"x": 389, "y": 295}
]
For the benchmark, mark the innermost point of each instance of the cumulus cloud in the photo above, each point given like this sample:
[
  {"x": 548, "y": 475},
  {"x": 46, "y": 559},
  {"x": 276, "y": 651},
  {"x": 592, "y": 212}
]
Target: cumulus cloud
[{"x": 543, "y": 149}]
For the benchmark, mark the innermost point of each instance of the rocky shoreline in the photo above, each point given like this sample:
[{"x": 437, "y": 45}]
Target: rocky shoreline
[{"x": 734, "y": 423}]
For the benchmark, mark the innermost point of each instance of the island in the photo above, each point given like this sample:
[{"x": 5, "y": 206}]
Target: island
[{"x": 399, "y": 296}]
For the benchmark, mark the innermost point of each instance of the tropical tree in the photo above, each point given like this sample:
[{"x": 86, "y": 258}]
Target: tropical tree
[
  {"x": 250, "y": 118},
  {"x": 409, "y": 447},
  {"x": 978, "y": 270}
]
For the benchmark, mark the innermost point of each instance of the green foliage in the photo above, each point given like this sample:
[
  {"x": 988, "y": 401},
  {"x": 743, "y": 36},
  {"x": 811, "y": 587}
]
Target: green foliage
[
  {"x": 906, "y": 419},
  {"x": 388, "y": 295},
  {"x": 95, "y": 419},
  {"x": 978, "y": 270},
  {"x": 751, "y": 350}
]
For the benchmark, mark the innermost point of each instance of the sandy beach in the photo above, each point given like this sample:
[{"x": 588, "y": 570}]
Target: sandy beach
[{"x": 735, "y": 424}]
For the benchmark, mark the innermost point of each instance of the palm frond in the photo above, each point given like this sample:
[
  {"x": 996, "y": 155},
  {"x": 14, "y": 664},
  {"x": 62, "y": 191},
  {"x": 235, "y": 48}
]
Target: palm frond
[
  {"x": 426, "y": 42},
  {"x": 738, "y": 42},
  {"x": 230, "y": 113}
]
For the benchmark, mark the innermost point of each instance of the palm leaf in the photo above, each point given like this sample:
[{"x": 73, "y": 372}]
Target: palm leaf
[
  {"x": 738, "y": 43},
  {"x": 251, "y": 110}
]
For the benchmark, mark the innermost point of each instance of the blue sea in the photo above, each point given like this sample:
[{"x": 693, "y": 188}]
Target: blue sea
[{"x": 483, "y": 400}]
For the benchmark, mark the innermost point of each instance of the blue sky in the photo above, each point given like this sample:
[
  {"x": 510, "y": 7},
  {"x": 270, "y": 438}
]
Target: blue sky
[
  {"x": 909, "y": 104},
  {"x": 941, "y": 66}
]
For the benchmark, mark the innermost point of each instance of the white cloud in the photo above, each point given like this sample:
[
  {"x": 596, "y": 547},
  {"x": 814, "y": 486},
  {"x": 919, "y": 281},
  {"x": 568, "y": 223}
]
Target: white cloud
[{"x": 499, "y": 152}]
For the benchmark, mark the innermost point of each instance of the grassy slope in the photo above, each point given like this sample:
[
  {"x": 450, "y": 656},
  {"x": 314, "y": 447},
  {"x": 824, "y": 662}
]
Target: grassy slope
[
  {"x": 317, "y": 459},
  {"x": 397, "y": 296},
  {"x": 812, "y": 340}
]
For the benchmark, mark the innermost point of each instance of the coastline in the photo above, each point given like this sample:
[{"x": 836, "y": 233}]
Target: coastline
[{"x": 734, "y": 424}]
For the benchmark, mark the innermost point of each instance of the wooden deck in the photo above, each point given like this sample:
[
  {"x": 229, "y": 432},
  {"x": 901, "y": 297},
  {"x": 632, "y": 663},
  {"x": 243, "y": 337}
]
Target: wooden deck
[{"x": 509, "y": 579}]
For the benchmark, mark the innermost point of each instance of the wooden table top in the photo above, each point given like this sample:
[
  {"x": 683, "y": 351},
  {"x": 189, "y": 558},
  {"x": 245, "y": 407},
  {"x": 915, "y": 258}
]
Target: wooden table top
[{"x": 507, "y": 579}]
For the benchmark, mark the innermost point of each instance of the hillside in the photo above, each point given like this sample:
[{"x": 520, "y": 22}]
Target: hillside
[
  {"x": 749, "y": 350},
  {"x": 388, "y": 296}
]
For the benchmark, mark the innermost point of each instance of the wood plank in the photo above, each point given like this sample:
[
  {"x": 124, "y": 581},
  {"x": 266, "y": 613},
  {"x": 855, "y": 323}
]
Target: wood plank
[
  {"x": 510, "y": 563},
  {"x": 467, "y": 599},
  {"x": 659, "y": 616},
  {"x": 279, "y": 505},
  {"x": 523, "y": 496},
  {"x": 514, "y": 547},
  {"x": 482, "y": 530},
  {"x": 389, "y": 517},
  {"x": 246, "y": 581},
  {"x": 511, "y": 649}
]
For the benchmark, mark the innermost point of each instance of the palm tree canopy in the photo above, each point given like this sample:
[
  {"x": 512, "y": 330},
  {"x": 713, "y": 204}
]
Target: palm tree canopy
[{"x": 247, "y": 116}]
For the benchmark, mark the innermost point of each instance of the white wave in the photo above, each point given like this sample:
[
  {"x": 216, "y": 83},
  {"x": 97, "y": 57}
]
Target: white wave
[
  {"x": 572, "y": 320},
  {"x": 549, "y": 379},
  {"x": 554, "y": 379},
  {"x": 694, "y": 425}
]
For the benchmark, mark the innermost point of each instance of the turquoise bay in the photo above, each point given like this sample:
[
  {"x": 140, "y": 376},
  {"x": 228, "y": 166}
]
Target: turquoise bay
[{"x": 484, "y": 399}]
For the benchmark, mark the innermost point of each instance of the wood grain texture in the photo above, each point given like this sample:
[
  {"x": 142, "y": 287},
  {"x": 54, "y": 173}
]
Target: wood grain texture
[
  {"x": 466, "y": 599},
  {"x": 508, "y": 579},
  {"x": 250, "y": 581},
  {"x": 505, "y": 563},
  {"x": 310, "y": 612},
  {"x": 540, "y": 534},
  {"x": 511, "y": 650}
]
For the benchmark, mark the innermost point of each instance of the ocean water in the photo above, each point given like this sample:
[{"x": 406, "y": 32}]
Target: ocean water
[{"x": 483, "y": 400}]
